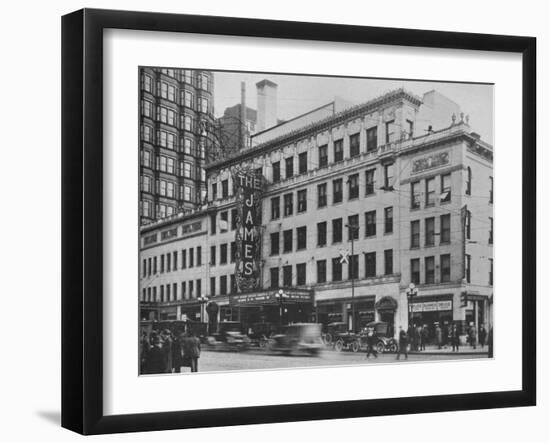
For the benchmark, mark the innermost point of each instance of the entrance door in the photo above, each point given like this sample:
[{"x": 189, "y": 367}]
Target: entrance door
[{"x": 388, "y": 317}]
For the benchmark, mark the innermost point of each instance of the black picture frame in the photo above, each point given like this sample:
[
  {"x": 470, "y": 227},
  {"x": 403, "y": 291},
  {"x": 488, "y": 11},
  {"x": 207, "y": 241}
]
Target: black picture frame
[{"x": 82, "y": 216}]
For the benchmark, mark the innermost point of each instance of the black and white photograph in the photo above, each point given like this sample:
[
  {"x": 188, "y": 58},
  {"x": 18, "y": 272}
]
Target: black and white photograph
[{"x": 295, "y": 221}]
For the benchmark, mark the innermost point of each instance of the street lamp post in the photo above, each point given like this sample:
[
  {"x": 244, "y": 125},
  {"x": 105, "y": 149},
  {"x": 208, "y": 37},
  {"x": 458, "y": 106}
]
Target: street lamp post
[
  {"x": 203, "y": 299},
  {"x": 351, "y": 233},
  {"x": 280, "y": 297},
  {"x": 411, "y": 292}
]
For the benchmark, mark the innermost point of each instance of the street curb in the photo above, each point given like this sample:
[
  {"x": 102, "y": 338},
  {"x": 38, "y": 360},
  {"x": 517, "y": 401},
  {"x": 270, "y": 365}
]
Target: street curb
[{"x": 448, "y": 353}]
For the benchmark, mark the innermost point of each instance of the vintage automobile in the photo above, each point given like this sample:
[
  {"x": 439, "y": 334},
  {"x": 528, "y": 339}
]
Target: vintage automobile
[
  {"x": 385, "y": 342},
  {"x": 331, "y": 331},
  {"x": 347, "y": 341},
  {"x": 259, "y": 333},
  {"x": 229, "y": 337},
  {"x": 297, "y": 338}
]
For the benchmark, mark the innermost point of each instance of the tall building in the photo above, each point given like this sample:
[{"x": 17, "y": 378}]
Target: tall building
[
  {"x": 370, "y": 213},
  {"x": 176, "y": 107}
]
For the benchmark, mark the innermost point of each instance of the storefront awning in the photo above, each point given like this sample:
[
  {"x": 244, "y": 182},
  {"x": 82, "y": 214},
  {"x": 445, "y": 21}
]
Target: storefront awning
[{"x": 259, "y": 298}]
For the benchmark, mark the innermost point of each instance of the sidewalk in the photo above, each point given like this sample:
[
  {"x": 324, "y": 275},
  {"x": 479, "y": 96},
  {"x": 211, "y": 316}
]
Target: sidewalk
[{"x": 462, "y": 350}]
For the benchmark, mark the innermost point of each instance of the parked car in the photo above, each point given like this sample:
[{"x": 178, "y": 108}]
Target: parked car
[
  {"x": 297, "y": 338},
  {"x": 347, "y": 341},
  {"x": 228, "y": 338},
  {"x": 385, "y": 342},
  {"x": 332, "y": 330}
]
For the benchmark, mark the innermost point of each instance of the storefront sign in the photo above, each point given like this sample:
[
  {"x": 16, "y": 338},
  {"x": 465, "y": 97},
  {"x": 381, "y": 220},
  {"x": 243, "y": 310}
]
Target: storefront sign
[
  {"x": 431, "y": 306},
  {"x": 270, "y": 297}
]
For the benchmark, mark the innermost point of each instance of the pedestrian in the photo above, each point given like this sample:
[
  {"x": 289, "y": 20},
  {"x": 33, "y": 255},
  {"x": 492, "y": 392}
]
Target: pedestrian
[
  {"x": 155, "y": 363},
  {"x": 455, "y": 338},
  {"x": 192, "y": 350},
  {"x": 418, "y": 337},
  {"x": 177, "y": 353},
  {"x": 412, "y": 338},
  {"x": 490, "y": 342},
  {"x": 167, "y": 350},
  {"x": 424, "y": 337},
  {"x": 472, "y": 335},
  {"x": 403, "y": 343},
  {"x": 371, "y": 344},
  {"x": 482, "y": 336},
  {"x": 438, "y": 336},
  {"x": 143, "y": 351}
]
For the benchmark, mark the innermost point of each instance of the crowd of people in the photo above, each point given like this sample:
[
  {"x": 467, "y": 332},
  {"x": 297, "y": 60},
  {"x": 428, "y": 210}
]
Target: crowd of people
[{"x": 164, "y": 352}]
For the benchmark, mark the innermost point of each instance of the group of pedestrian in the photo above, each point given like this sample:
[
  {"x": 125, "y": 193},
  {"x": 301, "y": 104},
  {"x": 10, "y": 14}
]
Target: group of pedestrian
[
  {"x": 164, "y": 352},
  {"x": 419, "y": 335}
]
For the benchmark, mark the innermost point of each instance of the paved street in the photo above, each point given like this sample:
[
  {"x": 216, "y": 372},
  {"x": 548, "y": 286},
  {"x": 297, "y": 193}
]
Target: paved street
[{"x": 227, "y": 361}]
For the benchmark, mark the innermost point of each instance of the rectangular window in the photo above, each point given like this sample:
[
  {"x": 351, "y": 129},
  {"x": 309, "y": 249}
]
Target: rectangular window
[
  {"x": 302, "y": 163},
  {"x": 490, "y": 230},
  {"x": 321, "y": 195},
  {"x": 370, "y": 223},
  {"x": 469, "y": 181},
  {"x": 212, "y": 286},
  {"x": 321, "y": 271},
  {"x": 213, "y": 224},
  {"x": 337, "y": 230},
  {"x": 214, "y": 191},
  {"x": 445, "y": 234},
  {"x": 430, "y": 231},
  {"x": 430, "y": 191},
  {"x": 199, "y": 256},
  {"x": 354, "y": 145},
  {"x": 287, "y": 240},
  {"x": 445, "y": 188},
  {"x": 491, "y": 190},
  {"x": 274, "y": 278},
  {"x": 183, "y": 259},
  {"x": 370, "y": 264},
  {"x": 223, "y": 254},
  {"x": 162, "y": 263},
  {"x": 223, "y": 285},
  {"x": 353, "y": 186},
  {"x": 191, "y": 257},
  {"x": 429, "y": 264},
  {"x": 191, "y": 293},
  {"x": 491, "y": 271},
  {"x": 321, "y": 234},
  {"x": 445, "y": 263},
  {"x": 323, "y": 156},
  {"x": 289, "y": 167},
  {"x": 353, "y": 227},
  {"x": 302, "y": 200},
  {"x": 300, "y": 274},
  {"x": 388, "y": 220},
  {"x": 199, "y": 288},
  {"x": 301, "y": 238},
  {"x": 415, "y": 234},
  {"x": 370, "y": 182},
  {"x": 468, "y": 225},
  {"x": 372, "y": 139},
  {"x": 388, "y": 261},
  {"x": 144, "y": 267},
  {"x": 288, "y": 204},
  {"x": 389, "y": 131},
  {"x": 212, "y": 256},
  {"x": 353, "y": 267},
  {"x": 275, "y": 208},
  {"x": 183, "y": 290},
  {"x": 415, "y": 195},
  {"x": 338, "y": 151},
  {"x": 223, "y": 221},
  {"x": 274, "y": 243},
  {"x": 233, "y": 252},
  {"x": 168, "y": 262},
  {"x": 276, "y": 172},
  {"x": 336, "y": 269},
  {"x": 161, "y": 293},
  {"x": 388, "y": 177},
  {"x": 415, "y": 271},
  {"x": 467, "y": 267},
  {"x": 337, "y": 193},
  {"x": 225, "y": 188},
  {"x": 287, "y": 276}
]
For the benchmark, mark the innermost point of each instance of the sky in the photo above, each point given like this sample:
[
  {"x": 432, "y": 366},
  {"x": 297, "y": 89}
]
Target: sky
[{"x": 297, "y": 94}]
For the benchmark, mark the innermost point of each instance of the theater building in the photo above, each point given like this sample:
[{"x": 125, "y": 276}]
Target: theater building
[{"x": 355, "y": 206}]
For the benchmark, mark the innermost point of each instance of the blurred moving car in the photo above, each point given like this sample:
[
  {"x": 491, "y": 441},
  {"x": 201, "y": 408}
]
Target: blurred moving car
[
  {"x": 228, "y": 338},
  {"x": 298, "y": 338}
]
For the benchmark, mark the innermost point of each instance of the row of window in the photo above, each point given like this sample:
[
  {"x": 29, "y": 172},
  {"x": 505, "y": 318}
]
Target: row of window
[
  {"x": 430, "y": 193},
  {"x": 169, "y": 292},
  {"x": 162, "y": 210},
  {"x": 429, "y": 231},
  {"x": 223, "y": 288},
  {"x": 299, "y": 277},
  {"x": 223, "y": 254},
  {"x": 169, "y": 262},
  {"x": 169, "y": 140},
  {"x": 169, "y": 117},
  {"x": 167, "y": 188},
  {"x": 200, "y": 80}
]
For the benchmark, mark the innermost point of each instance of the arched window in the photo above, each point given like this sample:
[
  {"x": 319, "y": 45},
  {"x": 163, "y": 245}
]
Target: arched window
[{"x": 469, "y": 181}]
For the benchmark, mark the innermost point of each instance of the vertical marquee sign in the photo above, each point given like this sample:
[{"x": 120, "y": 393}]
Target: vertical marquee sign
[{"x": 248, "y": 189}]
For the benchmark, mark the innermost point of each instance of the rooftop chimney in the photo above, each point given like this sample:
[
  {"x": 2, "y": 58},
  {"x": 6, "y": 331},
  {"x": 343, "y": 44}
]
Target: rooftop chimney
[{"x": 267, "y": 105}]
